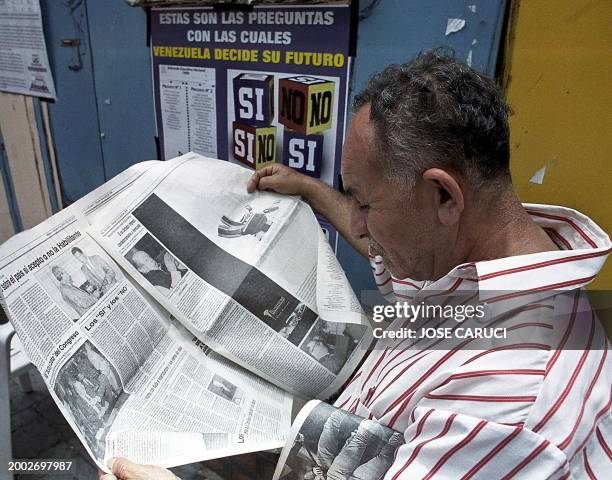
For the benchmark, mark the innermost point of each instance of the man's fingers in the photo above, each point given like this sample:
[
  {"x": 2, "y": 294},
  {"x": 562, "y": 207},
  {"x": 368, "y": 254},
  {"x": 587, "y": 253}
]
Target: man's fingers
[
  {"x": 124, "y": 469},
  {"x": 252, "y": 183},
  {"x": 267, "y": 171},
  {"x": 268, "y": 183},
  {"x": 256, "y": 179}
]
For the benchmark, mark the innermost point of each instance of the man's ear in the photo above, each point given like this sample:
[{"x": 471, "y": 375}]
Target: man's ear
[{"x": 448, "y": 195}]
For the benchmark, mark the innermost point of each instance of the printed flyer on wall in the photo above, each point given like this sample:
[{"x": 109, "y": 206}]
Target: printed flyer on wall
[{"x": 24, "y": 64}]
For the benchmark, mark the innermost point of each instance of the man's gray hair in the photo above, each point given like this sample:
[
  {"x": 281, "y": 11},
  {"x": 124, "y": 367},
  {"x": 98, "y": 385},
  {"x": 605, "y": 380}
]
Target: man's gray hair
[{"x": 437, "y": 112}]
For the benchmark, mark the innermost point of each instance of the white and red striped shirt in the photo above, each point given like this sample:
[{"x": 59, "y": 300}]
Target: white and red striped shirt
[{"x": 532, "y": 408}]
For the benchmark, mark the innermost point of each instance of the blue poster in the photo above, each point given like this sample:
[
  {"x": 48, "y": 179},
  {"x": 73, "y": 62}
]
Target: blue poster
[{"x": 256, "y": 87}]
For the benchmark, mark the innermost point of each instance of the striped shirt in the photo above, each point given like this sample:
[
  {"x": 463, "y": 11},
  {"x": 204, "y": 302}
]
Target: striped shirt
[{"x": 533, "y": 408}]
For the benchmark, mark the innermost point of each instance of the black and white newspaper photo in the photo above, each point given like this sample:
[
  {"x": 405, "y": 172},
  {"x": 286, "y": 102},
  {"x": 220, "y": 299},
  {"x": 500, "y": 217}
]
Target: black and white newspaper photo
[
  {"x": 78, "y": 279},
  {"x": 156, "y": 264},
  {"x": 252, "y": 219},
  {"x": 89, "y": 387},
  {"x": 327, "y": 443},
  {"x": 224, "y": 389},
  {"x": 331, "y": 344}
]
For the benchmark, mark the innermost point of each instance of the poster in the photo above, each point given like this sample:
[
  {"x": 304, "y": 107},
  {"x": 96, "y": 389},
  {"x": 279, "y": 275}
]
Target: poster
[
  {"x": 254, "y": 87},
  {"x": 24, "y": 65}
]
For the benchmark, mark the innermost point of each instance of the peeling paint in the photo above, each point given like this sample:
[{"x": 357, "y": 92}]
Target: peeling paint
[
  {"x": 538, "y": 177},
  {"x": 453, "y": 25},
  {"x": 468, "y": 60},
  {"x": 472, "y": 8}
]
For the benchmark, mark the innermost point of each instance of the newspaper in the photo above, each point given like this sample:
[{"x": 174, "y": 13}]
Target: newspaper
[
  {"x": 328, "y": 443},
  {"x": 173, "y": 316}
]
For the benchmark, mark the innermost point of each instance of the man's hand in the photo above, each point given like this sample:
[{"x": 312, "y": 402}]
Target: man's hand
[
  {"x": 279, "y": 178},
  {"x": 123, "y": 469},
  {"x": 322, "y": 198},
  {"x": 170, "y": 263}
]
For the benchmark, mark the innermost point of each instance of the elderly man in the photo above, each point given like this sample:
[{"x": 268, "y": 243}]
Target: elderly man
[
  {"x": 431, "y": 203},
  {"x": 163, "y": 275},
  {"x": 78, "y": 299}
]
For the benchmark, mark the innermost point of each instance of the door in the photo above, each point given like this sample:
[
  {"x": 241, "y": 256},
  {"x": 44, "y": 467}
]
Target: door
[{"x": 102, "y": 121}]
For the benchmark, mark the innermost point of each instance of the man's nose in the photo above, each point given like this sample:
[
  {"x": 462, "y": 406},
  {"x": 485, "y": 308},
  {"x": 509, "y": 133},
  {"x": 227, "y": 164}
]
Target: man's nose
[{"x": 359, "y": 226}]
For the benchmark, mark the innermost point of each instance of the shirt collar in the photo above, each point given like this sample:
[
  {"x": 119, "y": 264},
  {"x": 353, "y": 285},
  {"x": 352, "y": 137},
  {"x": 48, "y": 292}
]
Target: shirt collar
[{"x": 584, "y": 247}]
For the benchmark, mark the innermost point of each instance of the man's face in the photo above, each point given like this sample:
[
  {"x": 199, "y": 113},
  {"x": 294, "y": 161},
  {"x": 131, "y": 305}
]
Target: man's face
[
  {"x": 144, "y": 262},
  {"x": 401, "y": 225},
  {"x": 79, "y": 256},
  {"x": 62, "y": 275}
]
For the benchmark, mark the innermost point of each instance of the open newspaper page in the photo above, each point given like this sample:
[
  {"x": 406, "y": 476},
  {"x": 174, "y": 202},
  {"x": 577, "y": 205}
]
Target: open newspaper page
[
  {"x": 250, "y": 275},
  {"x": 328, "y": 443},
  {"x": 127, "y": 377}
]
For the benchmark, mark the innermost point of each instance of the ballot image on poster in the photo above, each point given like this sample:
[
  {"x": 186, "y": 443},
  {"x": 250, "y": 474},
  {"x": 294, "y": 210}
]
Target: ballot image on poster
[
  {"x": 283, "y": 118},
  {"x": 188, "y": 110}
]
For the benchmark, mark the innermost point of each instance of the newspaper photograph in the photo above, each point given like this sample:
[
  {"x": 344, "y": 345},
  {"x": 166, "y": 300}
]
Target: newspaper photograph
[
  {"x": 327, "y": 443},
  {"x": 89, "y": 388},
  {"x": 229, "y": 265},
  {"x": 253, "y": 218},
  {"x": 79, "y": 280},
  {"x": 156, "y": 264}
]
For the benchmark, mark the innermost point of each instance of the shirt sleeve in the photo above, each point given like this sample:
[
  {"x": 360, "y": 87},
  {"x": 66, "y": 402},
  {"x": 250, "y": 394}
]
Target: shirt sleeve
[{"x": 441, "y": 444}]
